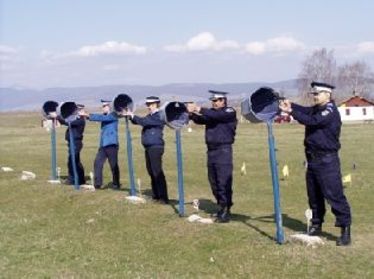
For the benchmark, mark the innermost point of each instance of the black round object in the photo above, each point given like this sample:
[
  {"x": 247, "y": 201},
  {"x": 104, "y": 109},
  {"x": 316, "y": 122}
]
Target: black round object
[
  {"x": 265, "y": 103},
  {"x": 48, "y": 107},
  {"x": 122, "y": 102},
  {"x": 175, "y": 115},
  {"x": 68, "y": 110}
]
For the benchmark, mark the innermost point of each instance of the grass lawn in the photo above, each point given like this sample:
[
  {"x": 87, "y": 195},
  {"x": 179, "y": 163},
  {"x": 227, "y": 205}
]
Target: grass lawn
[{"x": 55, "y": 231}]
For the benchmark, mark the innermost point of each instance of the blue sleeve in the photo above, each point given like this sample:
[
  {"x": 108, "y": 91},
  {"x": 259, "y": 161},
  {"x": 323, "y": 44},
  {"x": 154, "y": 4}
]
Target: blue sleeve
[
  {"x": 198, "y": 119},
  {"x": 301, "y": 108},
  {"x": 318, "y": 119},
  {"x": 147, "y": 121},
  {"x": 221, "y": 115},
  {"x": 103, "y": 118}
]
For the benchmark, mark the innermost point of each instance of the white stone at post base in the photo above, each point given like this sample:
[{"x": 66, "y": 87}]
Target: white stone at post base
[
  {"x": 135, "y": 199},
  {"x": 54, "y": 181},
  {"x": 308, "y": 240}
]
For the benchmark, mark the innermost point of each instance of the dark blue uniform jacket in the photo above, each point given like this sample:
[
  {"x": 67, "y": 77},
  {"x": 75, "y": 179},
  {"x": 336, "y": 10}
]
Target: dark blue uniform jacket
[
  {"x": 77, "y": 127},
  {"x": 220, "y": 125},
  {"x": 322, "y": 127},
  {"x": 152, "y": 132}
]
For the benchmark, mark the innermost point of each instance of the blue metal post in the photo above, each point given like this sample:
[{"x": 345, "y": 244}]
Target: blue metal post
[
  {"x": 180, "y": 172},
  {"x": 275, "y": 180},
  {"x": 129, "y": 159},
  {"x": 53, "y": 151},
  {"x": 72, "y": 155}
]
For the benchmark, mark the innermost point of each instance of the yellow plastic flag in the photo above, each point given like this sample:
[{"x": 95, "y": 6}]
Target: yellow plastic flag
[
  {"x": 286, "y": 171},
  {"x": 347, "y": 178},
  {"x": 243, "y": 169}
]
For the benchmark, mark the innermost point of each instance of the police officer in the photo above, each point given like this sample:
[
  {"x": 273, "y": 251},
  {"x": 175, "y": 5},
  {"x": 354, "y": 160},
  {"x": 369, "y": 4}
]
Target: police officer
[
  {"x": 108, "y": 145},
  {"x": 323, "y": 178},
  {"x": 153, "y": 142},
  {"x": 220, "y": 125},
  {"x": 77, "y": 128}
]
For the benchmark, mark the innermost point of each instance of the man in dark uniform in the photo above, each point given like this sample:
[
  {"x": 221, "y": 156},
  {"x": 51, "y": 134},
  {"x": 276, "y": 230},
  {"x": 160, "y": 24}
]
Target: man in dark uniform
[
  {"x": 108, "y": 145},
  {"x": 323, "y": 177},
  {"x": 153, "y": 142},
  {"x": 77, "y": 127},
  {"x": 220, "y": 125}
]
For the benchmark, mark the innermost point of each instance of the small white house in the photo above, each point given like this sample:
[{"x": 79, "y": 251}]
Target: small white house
[{"x": 356, "y": 108}]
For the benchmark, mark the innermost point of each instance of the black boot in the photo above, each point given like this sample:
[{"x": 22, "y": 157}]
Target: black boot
[
  {"x": 315, "y": 229},
  {"x": 223, "y": 216},
  {"x": 345, "y": 238}
]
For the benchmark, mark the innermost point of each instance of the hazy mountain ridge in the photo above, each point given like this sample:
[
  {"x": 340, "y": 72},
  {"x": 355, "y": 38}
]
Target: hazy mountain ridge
[{"x": 27, "y": 99}]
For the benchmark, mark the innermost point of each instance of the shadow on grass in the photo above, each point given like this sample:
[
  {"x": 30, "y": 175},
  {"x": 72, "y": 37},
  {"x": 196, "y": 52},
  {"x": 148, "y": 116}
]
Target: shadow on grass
[{"x": 291, "y": 223}]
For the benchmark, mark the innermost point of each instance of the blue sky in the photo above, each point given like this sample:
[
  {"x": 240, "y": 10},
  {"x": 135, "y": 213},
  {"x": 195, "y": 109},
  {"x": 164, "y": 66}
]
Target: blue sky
[{"x": 82, "y": 43}]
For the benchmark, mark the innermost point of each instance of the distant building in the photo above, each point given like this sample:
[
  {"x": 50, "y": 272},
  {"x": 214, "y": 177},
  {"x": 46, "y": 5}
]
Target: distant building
[{"x": 356, "y": 108}]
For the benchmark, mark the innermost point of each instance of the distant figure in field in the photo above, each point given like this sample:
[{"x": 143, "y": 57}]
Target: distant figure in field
[
  {"x": 220, "y": 126},
  {"x": 77, "y": 128},
  {"x": 153, "y": 142},
  {"x": 323, "y": 177},
  {"x": 108, "y": 148}
]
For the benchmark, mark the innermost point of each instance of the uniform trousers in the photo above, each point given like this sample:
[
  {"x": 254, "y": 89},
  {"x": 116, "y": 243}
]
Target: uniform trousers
[
  {"x": 324, "y": 181},
  {"x": 220, "y": 168},
  {"x": 80, "y": 170},
  {"x": 153, "y": 159},
  {"x": 109, "y": 152}
]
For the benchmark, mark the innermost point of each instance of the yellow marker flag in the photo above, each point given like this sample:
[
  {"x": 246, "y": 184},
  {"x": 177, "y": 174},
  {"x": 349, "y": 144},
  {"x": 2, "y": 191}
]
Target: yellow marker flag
[
  {"x": 286, "y": 171},
  {"x": 347, "y": 178},
  {"x": 243, "y": 169}
]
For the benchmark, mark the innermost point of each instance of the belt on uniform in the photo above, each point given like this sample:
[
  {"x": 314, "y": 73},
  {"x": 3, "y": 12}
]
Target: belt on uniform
[
  {"x": 319, "y": 155},
  {"x": 218, "y": 146}
]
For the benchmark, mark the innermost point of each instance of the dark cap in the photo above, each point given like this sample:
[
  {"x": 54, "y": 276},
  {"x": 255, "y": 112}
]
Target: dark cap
[
  {"x": 105, "y": 102},
  {"x": 318, "y": 87},
  {"x": 214, "y": 95},
  {"x": 152, "y": 99}
]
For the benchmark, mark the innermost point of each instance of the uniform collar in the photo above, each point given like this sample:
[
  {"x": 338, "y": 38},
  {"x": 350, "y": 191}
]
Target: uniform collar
[{"x": 156, "y": 111}]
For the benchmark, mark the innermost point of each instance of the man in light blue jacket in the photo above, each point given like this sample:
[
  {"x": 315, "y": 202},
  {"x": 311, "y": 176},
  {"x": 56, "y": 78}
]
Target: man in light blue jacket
[{"x": 108, "y": 145}]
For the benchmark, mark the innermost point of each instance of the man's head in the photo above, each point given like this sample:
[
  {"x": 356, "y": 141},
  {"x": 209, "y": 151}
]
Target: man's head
[
  {"x": 321, "y": 93},
  {"x": 105, "y": 106},
  {"x": 152, "y": 103},
  {"x": 218, "y": 99}
]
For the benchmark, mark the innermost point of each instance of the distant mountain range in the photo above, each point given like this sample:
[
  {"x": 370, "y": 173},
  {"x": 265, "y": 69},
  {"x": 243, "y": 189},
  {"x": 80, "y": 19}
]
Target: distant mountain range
[{"x": 12, "y": 99}]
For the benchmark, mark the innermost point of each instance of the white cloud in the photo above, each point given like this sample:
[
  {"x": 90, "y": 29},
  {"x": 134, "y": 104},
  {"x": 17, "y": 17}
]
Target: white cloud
[
  {"x": 204, "y": 41},
  {"x": 255, "y": 48},
  {"x": 107, "y": 48},
  {"x": 365, "y": 47},
  {"x": 7, "y": 53},
  {"x": 111, "y": 47},
  {"x": 277, "y": 45}
]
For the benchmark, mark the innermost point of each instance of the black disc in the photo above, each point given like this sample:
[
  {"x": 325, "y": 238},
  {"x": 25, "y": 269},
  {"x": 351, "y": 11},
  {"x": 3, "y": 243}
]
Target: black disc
[
  {"x": 49, "y": 106},
  {"x": 121, "y": 102},
  {"x": 68, "y": 109}
]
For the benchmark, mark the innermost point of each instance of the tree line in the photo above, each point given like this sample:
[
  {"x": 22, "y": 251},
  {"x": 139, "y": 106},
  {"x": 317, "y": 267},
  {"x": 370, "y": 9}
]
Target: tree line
[{"x": 351, "y": 79}]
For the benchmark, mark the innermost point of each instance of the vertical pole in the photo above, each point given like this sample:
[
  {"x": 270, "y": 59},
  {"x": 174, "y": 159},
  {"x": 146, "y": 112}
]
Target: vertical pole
[
  {"x": 53, "y": 151},
  {"x": 72, "y": 155},
  {"x": 275, "y": 180},
  {"x": 129, "y": 159},
  {"x": 180, "y": 171}
]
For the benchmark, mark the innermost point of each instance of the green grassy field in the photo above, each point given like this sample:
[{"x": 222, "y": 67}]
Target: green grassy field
[{"x": 53, "y": 231}]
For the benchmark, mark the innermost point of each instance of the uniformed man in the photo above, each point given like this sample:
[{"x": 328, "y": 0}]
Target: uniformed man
[
  {"x": 108, "y": 148},
  {"x": 323, "y": 178},
  {"x": 77, "y": 128},
  {"x": 153, "y": 142},
  {"x": 220, "y": 125}
]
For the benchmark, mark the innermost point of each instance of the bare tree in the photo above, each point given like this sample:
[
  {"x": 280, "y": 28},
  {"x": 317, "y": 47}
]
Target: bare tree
[
  {"x": 355, "y": 79},
  {"x": 319, "y": 66}
]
